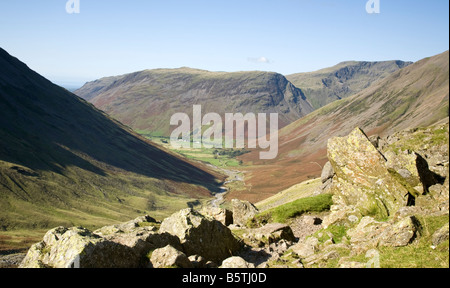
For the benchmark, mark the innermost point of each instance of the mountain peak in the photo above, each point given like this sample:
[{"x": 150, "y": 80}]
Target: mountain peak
[
  {"x": 343, "y": 80},
  {"x": 146, "y": 100}
]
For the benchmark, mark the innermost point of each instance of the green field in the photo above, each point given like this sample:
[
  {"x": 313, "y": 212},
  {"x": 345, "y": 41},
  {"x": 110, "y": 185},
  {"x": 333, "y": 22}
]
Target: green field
[{"x": 222, "y": 158}]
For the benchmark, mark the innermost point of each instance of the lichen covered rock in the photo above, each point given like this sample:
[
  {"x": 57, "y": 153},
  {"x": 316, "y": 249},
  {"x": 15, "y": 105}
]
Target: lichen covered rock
[
  {"x": 169, "y": 257},
  {"x": 370, "y": 233},
  {"x": 79, "y": 247},
  {"x": 362, "y": 178},
  {"x": 236, "y": 263},
  {"x": 201, "y": 236},
  {"x": 268, "y": 234},
  {"x": 243, "y": 211},
  {"x": 224, "y": 216},
  {"x": 441, "y": 235}
]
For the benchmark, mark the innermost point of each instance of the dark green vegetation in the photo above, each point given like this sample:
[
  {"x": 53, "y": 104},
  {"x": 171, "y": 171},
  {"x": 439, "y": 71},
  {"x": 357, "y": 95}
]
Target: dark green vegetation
[
  {"x": 218, "y": 157},
  {"x": 282, "y": 213},
  {"x": 63, "y": 162},
  {"x": 208, "y": 156},
  {"x": 343, "y": 80}
]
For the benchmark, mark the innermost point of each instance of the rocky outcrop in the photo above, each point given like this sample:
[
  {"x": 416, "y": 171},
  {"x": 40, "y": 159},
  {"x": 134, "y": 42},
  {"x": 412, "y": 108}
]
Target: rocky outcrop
[
  {"x": 326, "y": 178},
  {"x": 307, "y": 248},
  {"x": 243, "y": 211},
  {"x": 381, "y": 188},
  {"x": 413, "y": 169},
  {"x": 430, "y": 144},
  {"x": 268, "y": 234},
  {"x": 187, "y": 239},
  {"x": 379, "y": 201},
  {"x": 236, "y": 262},
  {"x": 362, "y": 178},
  {"x": 141, "y": 235},
  {"x": 78, "y": 247},
  {"x": 201, "y": 236},
  {"x": 224, "y": 216},
  {"x": 169, "y": 257},
  {"x": 370, "y": 233},
  {"x": 441, "y": 235},
  {"x": 420, "y": 160}
]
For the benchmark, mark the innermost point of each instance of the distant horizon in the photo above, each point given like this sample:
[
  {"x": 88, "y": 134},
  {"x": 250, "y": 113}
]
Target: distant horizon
[
  {"x": 116, "y": 37},
  {"x": 74, "y": 85}
]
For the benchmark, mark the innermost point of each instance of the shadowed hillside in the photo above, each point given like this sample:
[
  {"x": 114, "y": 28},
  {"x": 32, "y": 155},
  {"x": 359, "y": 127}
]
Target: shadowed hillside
[{"x": 63, "y": 161}]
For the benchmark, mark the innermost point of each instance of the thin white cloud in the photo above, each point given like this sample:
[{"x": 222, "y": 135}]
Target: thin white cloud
[{"x": 261, "y": 59}]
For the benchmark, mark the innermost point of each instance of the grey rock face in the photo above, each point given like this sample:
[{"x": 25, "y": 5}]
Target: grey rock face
[{"x": 201, "y": 236}]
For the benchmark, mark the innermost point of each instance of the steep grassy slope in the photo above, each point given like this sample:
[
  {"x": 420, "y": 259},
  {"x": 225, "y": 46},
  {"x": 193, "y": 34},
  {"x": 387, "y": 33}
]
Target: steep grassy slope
[
  {"x": 343, "y": 80},
  {"x": 146, "y": 100},
  {"x": 62, "y": 161},
  {"x": 417, "y": 95}
]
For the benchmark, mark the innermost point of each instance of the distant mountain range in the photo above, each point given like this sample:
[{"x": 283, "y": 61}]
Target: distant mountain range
[
  {"x": 417, "y": 95},
  {"x": 345, "y": 79},
  {"x": 331, "y": 101},
  {"x": 62, "y": 161},
  {"x": 146, "y": 100}
]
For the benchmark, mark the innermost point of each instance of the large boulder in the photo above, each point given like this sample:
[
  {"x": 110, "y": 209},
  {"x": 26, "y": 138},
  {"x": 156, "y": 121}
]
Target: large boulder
[
  {"x": 362, "y": 178},
  {"x": 169, "y": 257},
  {"x": 400, "y": 233},
  {"x": 327, "y": 172},
  {"x": 370, "y": 233},
  {"x": 430, "y": 143},
  {"x": 413, "y": 168},
  {"x": 326, "y": 178},
  {"x": 201, "y": 236},
  {"x": 306, "y": 248},
  {"x": 224, "y": 216},
  {"x": 268, "y": 234},
  {"x": 140, "y": 234},
  {"x": 441, "y": 235},
  {"x": 236, "y": 263},
  {"x": 243, "y": 211},
  {"x": 142, "y": 240},
  {"x": 79, "y": 248}
]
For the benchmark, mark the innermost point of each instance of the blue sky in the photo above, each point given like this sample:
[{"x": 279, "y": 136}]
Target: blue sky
[{"x": 111, "y": 37}]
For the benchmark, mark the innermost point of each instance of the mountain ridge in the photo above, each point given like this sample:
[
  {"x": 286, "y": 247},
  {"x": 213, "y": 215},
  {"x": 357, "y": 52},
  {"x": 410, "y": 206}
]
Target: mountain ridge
[
  {"x": 59, "y": 154},
  {"x": 400, "y": 101},
  {"x": 326, "y": 85},
  {"x": 146, "y": 100}
]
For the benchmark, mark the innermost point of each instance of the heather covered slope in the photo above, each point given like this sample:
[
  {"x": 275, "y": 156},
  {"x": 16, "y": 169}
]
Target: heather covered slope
[
  {"x": 64, "y": 161},
  {"x": 146, "y": 100},
  {"x": 342, "y": 80},
  {"x": 415, "y": 96}
]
